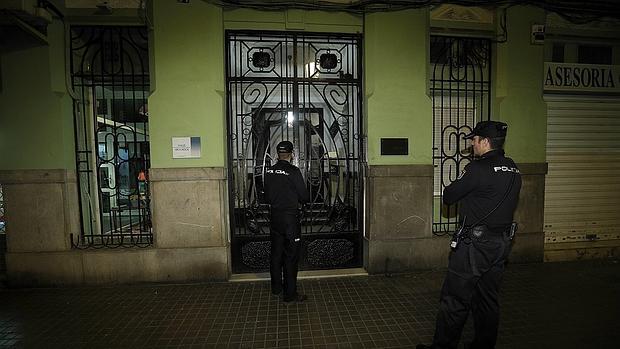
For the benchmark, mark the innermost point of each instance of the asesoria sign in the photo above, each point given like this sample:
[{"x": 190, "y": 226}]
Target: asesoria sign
[{"x": 581, "y": 77}]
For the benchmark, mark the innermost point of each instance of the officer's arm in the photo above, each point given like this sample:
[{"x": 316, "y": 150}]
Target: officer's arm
[
  {"x": 266, "y": 188},
  {"x": 300, "y": 187},
  {"x": 468, "y": 180}
]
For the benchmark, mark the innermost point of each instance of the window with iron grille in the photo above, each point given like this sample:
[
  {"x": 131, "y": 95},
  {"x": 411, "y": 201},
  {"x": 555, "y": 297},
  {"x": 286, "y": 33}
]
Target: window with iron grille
[
  {"x": 110, "y": 76},
  {"x": 460, "y": 86}
]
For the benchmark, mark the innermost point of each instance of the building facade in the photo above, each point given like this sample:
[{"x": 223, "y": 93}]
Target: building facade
[{"x": 133, "y": 144}]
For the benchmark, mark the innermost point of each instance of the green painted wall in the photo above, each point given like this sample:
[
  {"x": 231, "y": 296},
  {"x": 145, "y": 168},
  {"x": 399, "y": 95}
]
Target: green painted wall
[
  {"x": 188, "y": 85},
  {"x": 397, "y": 105},
  {"x": 310, "y": 21},
  {"x": 519, "y": 92},
  {"x": 36, "y": 117},
  {"x": 187, "y": 48}
]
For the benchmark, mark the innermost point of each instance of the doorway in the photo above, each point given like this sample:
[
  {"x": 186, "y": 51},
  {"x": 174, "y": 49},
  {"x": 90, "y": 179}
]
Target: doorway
[{"x": 305, "y": 88}]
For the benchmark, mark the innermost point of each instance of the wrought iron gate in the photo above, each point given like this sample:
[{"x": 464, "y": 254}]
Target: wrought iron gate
[
  {"x": 110, "y": 75},
  {"x": 306, "y": 88},
  {"x": 460, "y": 85}
]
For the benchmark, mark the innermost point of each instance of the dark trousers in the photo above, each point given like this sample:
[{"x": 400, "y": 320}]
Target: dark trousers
[
  {"x": 475, "y": 272},
  {"x": 285, "y": 248}
]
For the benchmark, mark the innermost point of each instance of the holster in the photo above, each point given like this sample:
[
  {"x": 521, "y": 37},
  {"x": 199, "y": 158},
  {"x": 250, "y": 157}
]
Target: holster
[
  {"x": 513, "y": 230},
  {"x": 482, "y": 231}
]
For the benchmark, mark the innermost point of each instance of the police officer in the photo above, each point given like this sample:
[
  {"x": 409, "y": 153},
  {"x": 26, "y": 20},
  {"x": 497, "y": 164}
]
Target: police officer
[
  {"x": 285, "y": 191},
  {"x": 488, "y": 191}
]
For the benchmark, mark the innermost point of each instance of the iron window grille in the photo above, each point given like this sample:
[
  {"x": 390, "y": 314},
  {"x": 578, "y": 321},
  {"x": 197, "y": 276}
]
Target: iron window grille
[
  {"x": 110, "y": 74},
  {"x": 460, "y": 86}
]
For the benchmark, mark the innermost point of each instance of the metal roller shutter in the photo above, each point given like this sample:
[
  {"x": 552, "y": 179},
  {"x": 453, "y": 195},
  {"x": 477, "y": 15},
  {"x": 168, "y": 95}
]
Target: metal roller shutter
[{"x": 582, "y": 187}]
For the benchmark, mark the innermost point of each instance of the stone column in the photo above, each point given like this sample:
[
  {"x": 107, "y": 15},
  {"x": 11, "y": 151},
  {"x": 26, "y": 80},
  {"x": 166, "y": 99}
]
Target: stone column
[
  {"x": 190, "y": 212},
  {"x": 399, "y": 187},
  {"x": 519, "y": 102},
  {"x": 42, "y": 211},
  {"x": 41, "y": 208},
  {"x": 529, "y": 243},
  {"x": 399, "y": 220},
  {"x": 189, "y": 195}
]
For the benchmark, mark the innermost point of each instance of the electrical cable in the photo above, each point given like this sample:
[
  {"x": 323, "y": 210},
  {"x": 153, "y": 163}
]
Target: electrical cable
[{"x": 572, "y": 10}]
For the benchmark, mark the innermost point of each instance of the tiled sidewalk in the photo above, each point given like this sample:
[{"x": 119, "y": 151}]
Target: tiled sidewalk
[{"x": 553, "y": 305}]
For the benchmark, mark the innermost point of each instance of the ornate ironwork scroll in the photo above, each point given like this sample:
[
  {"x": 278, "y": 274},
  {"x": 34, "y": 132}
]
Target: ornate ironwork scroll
[
  {"x": 110, "y": 74},
  {"x": 306, "y": 88},
  {"x": 460, "y": 85}
]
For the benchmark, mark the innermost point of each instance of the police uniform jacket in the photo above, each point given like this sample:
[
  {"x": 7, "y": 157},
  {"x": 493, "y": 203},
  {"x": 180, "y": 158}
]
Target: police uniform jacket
[
  {"x": 285, "y": 188},
  {"x": 481, "y": 187}
]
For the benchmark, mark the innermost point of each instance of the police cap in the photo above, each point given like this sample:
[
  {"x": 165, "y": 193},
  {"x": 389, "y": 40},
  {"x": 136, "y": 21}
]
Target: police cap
[
  {"x": 489, "y": 129},
  {"x": 285, "y": 147}
]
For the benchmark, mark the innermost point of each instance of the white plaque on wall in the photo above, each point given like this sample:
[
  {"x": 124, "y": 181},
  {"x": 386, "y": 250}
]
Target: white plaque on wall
[{"x": 185, "y": 147}]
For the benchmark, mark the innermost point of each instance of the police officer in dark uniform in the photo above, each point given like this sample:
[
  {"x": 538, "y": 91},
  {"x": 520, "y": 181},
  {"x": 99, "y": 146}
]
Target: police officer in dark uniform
[
  {"x": 285, "y": 191},
  {"x": 488, "y": 191}
]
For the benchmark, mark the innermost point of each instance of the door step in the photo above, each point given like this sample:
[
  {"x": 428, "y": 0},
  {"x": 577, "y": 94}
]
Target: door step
[{"x": 304, "y": 274}]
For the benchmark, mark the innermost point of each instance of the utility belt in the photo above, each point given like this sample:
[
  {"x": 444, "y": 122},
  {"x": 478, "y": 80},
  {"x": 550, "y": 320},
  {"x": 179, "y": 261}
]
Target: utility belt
[{"x": 466, "y": 233}]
